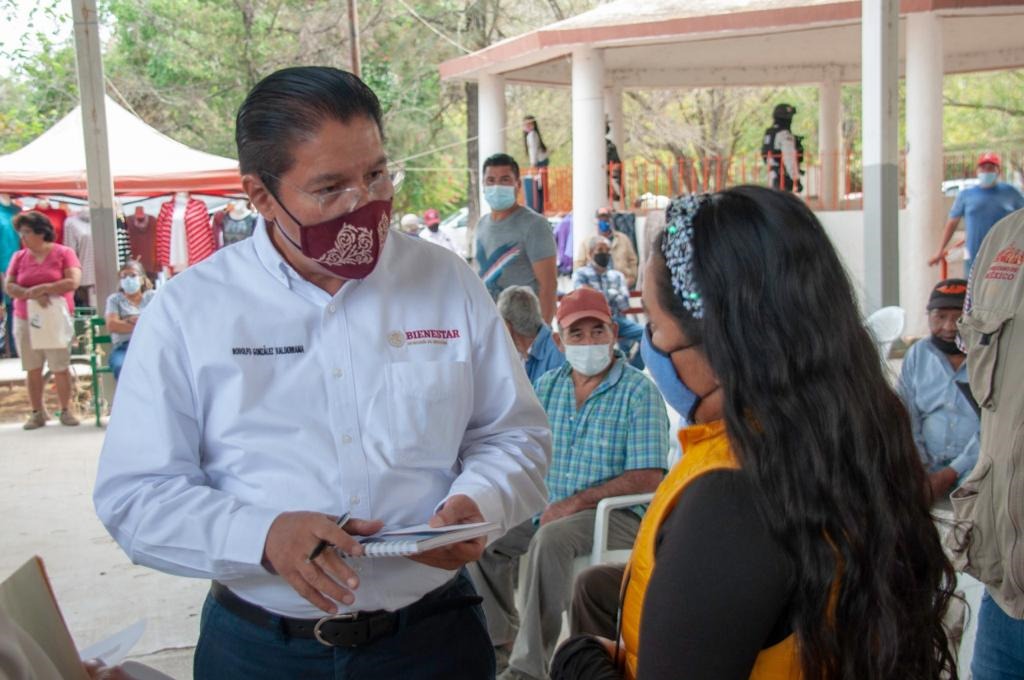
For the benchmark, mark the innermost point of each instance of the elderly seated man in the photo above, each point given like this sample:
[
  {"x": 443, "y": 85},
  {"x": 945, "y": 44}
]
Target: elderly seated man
[
  {"x": 519, "y": 306},
  {"x": 611, "y": 437},
  {"x": 600, "y": 275},
  {"x": 623, "y": 254},
  {"x": 944, "y": 423}
]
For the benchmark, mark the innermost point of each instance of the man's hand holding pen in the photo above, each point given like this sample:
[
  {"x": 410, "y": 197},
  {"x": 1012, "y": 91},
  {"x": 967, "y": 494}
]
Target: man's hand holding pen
[{"x": 289, "y": 550}]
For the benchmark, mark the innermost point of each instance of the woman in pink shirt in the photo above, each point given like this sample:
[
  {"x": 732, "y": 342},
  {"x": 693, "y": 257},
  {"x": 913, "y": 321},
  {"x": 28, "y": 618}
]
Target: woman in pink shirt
[{"x": 43, "y": 271}]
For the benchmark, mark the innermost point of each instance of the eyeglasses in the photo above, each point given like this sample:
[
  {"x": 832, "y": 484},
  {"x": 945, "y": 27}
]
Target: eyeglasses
[
  {"x": 332, "y": 203},
  {"x": 658, "y": 350}
]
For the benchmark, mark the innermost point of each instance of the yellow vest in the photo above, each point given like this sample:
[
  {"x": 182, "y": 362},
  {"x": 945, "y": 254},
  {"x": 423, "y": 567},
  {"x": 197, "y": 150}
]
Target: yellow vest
[{"x": 705, "y": 448}]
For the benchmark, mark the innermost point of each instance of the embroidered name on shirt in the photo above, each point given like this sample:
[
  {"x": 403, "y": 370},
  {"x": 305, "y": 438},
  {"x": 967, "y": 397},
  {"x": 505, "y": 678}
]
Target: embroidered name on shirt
[
  {"x": 1006, "y": 264},
  {"x": 267, "y": 351},
  {"x": 427, "y": 336}
]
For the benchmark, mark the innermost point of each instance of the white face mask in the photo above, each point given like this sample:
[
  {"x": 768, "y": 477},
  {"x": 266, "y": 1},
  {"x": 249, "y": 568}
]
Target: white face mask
[
  {"x": 988, "y": 179},
  {"x": 588, "y": 359}
]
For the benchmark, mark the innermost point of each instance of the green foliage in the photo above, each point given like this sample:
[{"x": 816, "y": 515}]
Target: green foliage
[{"x": 184, "y": 66}]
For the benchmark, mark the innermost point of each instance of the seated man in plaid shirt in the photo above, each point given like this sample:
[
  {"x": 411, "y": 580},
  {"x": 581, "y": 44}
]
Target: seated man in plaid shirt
[
  {"x": 600, "y": 275},
  {"x": 611, "y": 438}
]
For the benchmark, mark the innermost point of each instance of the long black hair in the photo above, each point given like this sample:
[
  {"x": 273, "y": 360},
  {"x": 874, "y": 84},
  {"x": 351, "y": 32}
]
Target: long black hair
[
  {"x": 540, "y": 138},
  {"x": 824, "y": 437}
]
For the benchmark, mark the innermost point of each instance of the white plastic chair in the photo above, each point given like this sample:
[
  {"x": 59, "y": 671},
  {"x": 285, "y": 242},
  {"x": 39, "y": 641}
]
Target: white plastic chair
[{"x": 886, "y": 325}]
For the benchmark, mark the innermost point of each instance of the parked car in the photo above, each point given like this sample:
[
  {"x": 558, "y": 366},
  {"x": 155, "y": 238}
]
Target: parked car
[
  {"x": 455, "y": 228},
  {"x": 952, "y": 187}
]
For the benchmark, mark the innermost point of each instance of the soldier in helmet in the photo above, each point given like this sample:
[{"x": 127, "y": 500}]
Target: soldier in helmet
[{"x": 782, "y": 151}]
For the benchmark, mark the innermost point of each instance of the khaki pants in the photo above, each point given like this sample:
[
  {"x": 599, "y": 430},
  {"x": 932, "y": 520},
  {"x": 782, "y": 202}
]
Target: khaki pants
[
  {"x": 31, "y": 359},
  {"x": 550, "y": 551},
  {"x": 595, "y": 601}
]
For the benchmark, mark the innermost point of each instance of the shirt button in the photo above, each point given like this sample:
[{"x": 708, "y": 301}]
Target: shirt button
[
  {"x": 354, "y": 500},
  {"x": 331, "y": 308},
  {"x": 337, "y": 373},
  {"x": 345, "y": 439}
]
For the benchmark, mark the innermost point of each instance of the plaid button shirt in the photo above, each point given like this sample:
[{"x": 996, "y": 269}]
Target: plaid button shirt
[
  {"x": 612, "y": 283},
  {"x": 621, "y": 426}
]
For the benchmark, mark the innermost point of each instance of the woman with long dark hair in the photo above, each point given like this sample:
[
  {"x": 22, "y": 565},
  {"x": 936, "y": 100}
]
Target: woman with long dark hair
[
  {"x": 537, "y": 152},
  {"x": 793, "y": 539}
]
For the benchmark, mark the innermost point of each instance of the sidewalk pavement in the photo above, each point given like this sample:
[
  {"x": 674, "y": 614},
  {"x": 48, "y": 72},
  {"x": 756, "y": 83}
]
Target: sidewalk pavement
[{"x": 46, "y": 480}]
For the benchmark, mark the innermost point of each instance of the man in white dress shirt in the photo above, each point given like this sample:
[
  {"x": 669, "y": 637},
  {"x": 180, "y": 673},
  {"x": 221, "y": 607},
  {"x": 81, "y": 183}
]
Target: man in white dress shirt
[{"x": 319, "y": 368}]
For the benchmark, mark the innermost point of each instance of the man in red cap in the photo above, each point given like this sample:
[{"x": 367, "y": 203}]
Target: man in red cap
[
  {"x": 981, "y": 207},
  {"x": 611, "y": 438},
  {"x": 433, "y": 233}
]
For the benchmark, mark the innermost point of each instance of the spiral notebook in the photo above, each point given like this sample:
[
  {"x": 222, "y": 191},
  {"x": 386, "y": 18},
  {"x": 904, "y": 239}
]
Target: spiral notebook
[{"x": 414, "y": 540}]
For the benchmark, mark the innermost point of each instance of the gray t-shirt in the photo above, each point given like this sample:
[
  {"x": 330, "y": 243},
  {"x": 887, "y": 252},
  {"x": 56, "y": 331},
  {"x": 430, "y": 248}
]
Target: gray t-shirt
[
  {"x": 119, "y": 304},
  {"x": 507, "y": 250}
]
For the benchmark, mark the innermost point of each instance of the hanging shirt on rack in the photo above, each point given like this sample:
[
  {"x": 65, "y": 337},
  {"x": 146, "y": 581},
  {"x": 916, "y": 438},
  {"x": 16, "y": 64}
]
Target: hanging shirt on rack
[
  {"x": 237, "y": 229},
  {"x": 197, "y": 243},
  {"x": 142, "y": 241},
  {"x": 78, "y": 237}
]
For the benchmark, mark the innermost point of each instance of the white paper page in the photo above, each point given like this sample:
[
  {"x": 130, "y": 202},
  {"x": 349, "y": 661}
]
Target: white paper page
[
  {"x": 426, "y": 529},
  {"x": 114, "y": 648},
  {"x": 139, "y": 671}
]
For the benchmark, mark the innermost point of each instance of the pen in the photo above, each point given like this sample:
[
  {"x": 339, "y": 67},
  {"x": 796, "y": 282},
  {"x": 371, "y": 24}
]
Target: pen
[{"x": 323, "y": 544}]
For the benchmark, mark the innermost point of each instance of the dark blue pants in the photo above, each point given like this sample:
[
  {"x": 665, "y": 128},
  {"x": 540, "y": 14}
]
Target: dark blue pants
[
  {"x": 448, "y": 645},
  {"x": 117, "y": 359},
  {"x": 999, "y": 646},
  {"x": 630, "y": 333},
  {"x": 7, "y": 342}
]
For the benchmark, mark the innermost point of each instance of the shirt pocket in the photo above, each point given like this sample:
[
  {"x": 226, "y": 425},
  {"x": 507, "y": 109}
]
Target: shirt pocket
[
  {"x": 428, "y": 410},
  {"x": 973, "y": 539},
  {"x": 982, "y": 331}
]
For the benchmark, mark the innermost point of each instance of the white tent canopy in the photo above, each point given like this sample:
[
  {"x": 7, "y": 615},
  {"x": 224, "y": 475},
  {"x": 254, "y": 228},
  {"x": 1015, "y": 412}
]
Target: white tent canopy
[{"x": 143, "y": 161}]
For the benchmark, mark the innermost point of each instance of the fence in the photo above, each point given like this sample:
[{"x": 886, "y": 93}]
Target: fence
[{"x": 829, "y": 182}]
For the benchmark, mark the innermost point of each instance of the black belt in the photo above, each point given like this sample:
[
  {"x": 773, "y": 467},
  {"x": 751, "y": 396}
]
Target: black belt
[{"x": 353, "y": 629}]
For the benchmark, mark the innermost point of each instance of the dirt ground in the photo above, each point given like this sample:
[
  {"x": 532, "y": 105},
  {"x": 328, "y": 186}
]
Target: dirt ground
[{"x": 14, "y": 405}]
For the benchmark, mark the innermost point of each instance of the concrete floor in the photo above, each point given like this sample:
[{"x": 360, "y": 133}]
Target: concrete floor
[{"x": 46, "y": 479}]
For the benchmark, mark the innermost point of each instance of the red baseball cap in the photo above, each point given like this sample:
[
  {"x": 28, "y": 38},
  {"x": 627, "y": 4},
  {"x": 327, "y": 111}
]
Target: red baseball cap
[
  {"x": 431, "y": 217},
  {"x": 990, "y": 157},
  {"x": 583, "y": 303}
]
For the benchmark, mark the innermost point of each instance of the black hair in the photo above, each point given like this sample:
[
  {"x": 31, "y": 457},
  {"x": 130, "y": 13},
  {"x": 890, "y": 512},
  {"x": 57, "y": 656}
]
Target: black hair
[
  {"x": 291, "y": 104},
  {"x": 38, "y": 222},
  {"x": 540, "y": 137},
  {"x": 501, "y": 160},
  {"x": 827, "y": 442}
]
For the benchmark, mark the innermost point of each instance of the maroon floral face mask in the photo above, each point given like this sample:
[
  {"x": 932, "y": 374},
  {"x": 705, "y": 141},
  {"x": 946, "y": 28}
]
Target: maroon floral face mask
[{"x": 349, "y": 245}]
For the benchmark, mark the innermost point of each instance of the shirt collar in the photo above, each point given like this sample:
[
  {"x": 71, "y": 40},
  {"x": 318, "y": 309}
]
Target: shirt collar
[
  {"x": 268, "y": 255},
  {"x": 698, "y": 432},
  {"x": 943, "y": 359},
  {"x": 543, "y": 337}
]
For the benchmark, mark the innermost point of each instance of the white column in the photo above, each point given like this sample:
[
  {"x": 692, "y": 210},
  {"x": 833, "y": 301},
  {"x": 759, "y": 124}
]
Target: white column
[
  {"x": 613, "y": 112},
  {"x": 925, "y": 214},
  {"x": 491, "y": 122},
  {"x": 99, "y": 179},
  {"x": 880, "y": 88},
  {"x": 830, "y": 135},
  {"x": 588, "y": 157}
]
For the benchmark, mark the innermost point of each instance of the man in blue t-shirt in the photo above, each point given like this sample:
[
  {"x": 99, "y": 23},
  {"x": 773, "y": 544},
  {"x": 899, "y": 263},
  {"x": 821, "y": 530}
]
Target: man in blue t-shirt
[{"x": 981, "y": 207}]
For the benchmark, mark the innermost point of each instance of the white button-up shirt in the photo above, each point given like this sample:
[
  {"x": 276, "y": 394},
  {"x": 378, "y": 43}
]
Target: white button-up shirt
[{"x": 248, "y": 392}]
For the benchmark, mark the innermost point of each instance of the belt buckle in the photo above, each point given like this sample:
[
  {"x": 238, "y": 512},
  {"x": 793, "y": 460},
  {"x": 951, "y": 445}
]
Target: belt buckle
[{"x": 348, "y": 616}]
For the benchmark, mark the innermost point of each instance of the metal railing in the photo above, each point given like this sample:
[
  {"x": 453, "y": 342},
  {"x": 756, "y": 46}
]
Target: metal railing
[{"x": 828, "y": 182}]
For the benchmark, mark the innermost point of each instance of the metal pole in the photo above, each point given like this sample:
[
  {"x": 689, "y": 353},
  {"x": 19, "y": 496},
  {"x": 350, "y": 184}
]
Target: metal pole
[
  {"x": 99, "y": 179},
  {"x": 880, "y": 86},
  {"x": 353, "y": 37}
]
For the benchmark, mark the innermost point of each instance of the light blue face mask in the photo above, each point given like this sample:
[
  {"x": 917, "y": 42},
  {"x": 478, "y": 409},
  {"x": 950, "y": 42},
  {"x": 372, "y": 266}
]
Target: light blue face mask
[
  {"x": 131, "y": 284},
  {"x": 987, "y": 179},
  {"x": 500, "y": 197},
  {"x": 680, "y": 397}
]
